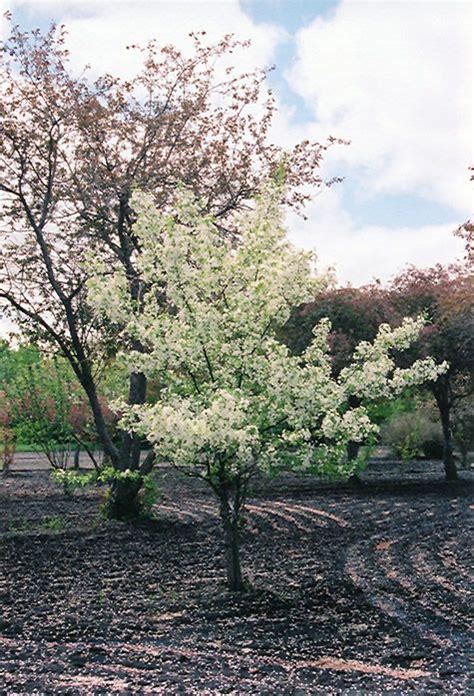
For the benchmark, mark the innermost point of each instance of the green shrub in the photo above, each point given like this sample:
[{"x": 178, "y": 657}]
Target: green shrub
[{"x": 411, "y": 435}]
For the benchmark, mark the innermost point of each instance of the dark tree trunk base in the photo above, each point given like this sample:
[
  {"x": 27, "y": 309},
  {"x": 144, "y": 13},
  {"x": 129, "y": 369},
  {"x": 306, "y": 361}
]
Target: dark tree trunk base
[
  {"x": 444, "y": 401},
  {"x": 355, "y": 480},
  {"x": 230, "y": 522},
  {"x": 451, "y": 471},
  {"x": 77, "y": 454},
  {"x": 123, "y": 502}
]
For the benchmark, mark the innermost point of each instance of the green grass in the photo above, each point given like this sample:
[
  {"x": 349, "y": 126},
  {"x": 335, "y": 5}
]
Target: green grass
[{"x": 31, "y": 447}]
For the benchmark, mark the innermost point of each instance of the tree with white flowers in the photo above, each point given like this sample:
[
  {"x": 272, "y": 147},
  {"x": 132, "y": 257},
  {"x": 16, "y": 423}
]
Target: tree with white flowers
[{"x": 233, "y": 400}]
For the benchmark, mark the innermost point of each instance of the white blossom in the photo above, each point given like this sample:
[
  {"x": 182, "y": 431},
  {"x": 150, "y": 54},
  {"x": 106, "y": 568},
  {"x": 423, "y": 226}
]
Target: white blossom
[{"x": 233, "y": 399}]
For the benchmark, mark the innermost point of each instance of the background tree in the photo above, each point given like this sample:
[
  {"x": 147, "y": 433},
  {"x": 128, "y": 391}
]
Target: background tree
[
  {"x": 466, "y": 232},
  {"x": 355, "y": 315},
  {"x": 44, "y": 406},
  {"x": 13, "y": 364},
  {"x": 7, "y": 436},
  {"x": 71, "y": 153},
  {"x": 446, "y": 295}
]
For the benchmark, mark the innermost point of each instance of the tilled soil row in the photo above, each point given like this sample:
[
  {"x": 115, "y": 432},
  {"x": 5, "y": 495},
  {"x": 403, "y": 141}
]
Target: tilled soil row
[{"x": 352, "y": 592}]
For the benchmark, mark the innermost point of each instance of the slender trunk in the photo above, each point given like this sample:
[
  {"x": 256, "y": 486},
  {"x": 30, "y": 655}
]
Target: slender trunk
[
  {"x": 352, "y": 453},
  {"x": 443, "y": 396},
  {"x": 77, "y": 455},
  {"x": 448, "y": 457},
  {"x": 89, "y": 387},
  {"x": 8, "y": 454},
  {"x": 230, "y": 522},
  {"x": 91, "y": 456}
]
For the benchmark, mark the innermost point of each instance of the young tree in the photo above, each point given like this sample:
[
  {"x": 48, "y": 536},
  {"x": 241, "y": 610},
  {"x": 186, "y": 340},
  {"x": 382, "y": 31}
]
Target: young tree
[
  {"x": 445, "y": 294},
  {"x": 72, "y": 152},
  {"x": 233, "y": 399},
  {"x": 44, "y": 406},
  {"x": 7, "y": 436}
]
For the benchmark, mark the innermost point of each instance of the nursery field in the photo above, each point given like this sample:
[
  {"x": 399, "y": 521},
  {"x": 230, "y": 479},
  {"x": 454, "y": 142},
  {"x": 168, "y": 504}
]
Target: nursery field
[{"x": 353, "y": 590}]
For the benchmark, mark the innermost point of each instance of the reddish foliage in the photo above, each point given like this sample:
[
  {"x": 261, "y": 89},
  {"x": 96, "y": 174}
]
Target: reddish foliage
[
  {"x": 355, "y": 314},
  {"x": 446, "y": 295}
]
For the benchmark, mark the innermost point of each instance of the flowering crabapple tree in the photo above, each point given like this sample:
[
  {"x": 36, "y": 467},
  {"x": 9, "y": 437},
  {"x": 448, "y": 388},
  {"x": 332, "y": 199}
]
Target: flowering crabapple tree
[
  {"x": 234, "y": 400},
  {"x": 72, "y": 151}
]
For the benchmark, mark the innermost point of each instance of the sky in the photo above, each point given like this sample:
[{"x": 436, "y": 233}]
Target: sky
[{"x": 393, "y": 77}]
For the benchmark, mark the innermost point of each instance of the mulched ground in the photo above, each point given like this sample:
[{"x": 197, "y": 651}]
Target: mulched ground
[{"x": 354, "y": 591}]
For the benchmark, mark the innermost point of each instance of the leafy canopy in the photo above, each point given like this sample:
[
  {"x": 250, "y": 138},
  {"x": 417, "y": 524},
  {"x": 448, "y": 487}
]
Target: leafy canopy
[{"x": 233, "y": 398}]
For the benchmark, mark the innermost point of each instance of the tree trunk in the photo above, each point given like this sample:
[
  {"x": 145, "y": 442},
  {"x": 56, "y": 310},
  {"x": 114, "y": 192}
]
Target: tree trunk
[
  {"x": 444, "y": 401},
  {"x": 77, "y": 454},
  {"x": 123, "y": 502},
  {"x": 230, "y": 522},
  {"x": 352, "y": 453},
  {"x": 354, "y": 447},
  {"x": 8, "y": 455},
  {"x": 448, "y": 458},
  {"x": 464, "y": 451},
  {"x": 130, "y": 449},
  {"x": 87, "y": 381}
]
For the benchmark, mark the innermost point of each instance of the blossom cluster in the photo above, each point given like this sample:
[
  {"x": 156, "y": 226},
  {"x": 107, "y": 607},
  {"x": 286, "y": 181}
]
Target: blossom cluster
[{"x": 373, "y": 373}]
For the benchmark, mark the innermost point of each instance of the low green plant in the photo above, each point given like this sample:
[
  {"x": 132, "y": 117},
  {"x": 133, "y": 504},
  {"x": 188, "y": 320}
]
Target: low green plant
[
  {"x": 150, "y": 494},
  {"x": 72, "y": 480},
  {"x": 101, "y": 598},
  {"x": 412, "y": 434},
  {"x": 54, "y": 523},
  {"x": 409, "y": 448},
  {"x": 18, "y": 526}
]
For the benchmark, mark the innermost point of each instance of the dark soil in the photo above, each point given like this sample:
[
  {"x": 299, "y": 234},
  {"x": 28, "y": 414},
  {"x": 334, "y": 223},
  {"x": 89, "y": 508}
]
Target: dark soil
[{"x": 354, "y": 591}]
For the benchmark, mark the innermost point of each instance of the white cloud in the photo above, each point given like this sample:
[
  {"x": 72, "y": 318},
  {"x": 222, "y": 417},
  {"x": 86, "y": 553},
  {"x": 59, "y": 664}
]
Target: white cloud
[
  {"x": 396, "y": 79},
  {"x": 100, "y": 30},
  {"x": 361, "y": 254}
]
